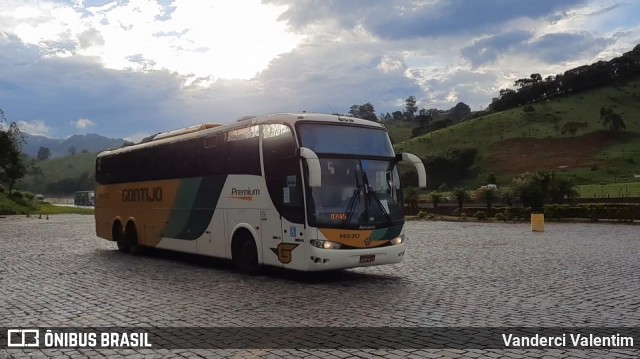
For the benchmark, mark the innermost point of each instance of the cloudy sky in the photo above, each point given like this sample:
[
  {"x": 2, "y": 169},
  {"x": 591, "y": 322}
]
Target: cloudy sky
[{"x": 132, "y": 68}]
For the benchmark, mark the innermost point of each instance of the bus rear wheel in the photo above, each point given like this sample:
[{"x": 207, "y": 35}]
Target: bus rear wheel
[
  {"x": 131, "y": 239},
  {"x": 245, "y": 253},
  {"x": 117, "y": 232}
]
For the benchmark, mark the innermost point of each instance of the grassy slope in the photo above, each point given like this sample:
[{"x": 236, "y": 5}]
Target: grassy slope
[
  {"x": 615, "y": 162},
  {"x": 23, "y": 205},
  {"x": 399, "y": 130},
  {"x": 56, "y": 169}
]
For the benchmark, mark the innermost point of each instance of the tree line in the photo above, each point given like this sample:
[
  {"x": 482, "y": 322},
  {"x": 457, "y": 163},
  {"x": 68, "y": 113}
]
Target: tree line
[{"x": 535, "y": 88}]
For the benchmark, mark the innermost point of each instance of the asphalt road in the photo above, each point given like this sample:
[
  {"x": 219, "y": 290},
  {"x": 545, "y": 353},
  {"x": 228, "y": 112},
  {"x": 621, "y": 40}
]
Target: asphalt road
[{"x": 57, "y": 274}]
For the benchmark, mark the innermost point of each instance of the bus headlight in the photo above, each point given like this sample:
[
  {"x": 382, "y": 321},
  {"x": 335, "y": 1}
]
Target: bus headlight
[
  {"x": 325, "y": 244},
  {"x": 398, "y": 240}
]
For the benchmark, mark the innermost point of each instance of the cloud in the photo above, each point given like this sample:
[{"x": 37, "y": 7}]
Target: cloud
[
  {"x": 35, "y": 127},
  {"x": 222, "y": 39},
  {"x": 139, "y": 67},
  {"x": 549, "y": 48},
  {"x": 83, "y": 123},
  {"x": 389, "y": 64},
  {"x": 308, "y": 78},
  {"x": 560, "y": 47},
  {"x": 395, "y": 20},
  {"x": 490, "y": 48},
  {"x": 90, "y": 37}
]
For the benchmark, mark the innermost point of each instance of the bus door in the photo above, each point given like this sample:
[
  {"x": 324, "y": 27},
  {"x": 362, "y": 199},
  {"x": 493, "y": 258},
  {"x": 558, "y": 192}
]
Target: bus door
[{"x": 271, "y": 232}]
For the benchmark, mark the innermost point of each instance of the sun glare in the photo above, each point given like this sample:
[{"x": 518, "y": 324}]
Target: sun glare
[
  {"x": 222, "y": 39},
  {"x": 234, "y": 39}
]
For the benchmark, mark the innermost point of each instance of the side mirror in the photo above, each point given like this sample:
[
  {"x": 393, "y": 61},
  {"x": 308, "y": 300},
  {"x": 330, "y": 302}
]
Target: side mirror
[
  {"x": 417, "y": 163},
  {"x": 313, "y": 163}
]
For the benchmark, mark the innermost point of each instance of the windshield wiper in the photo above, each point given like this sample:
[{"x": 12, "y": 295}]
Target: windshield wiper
[
  {"x": 369, "y": 192},
  {"x": 351, "y": 207}
]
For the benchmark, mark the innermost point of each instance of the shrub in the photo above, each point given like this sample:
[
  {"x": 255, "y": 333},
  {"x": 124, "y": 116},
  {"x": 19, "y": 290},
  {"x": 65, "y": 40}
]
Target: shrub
[
  {"x": 501, "y": 217},
  {"x": 422, "y": 214},
  {"x": 16, "y": 195},
  {"x": 480, "y": 215}
]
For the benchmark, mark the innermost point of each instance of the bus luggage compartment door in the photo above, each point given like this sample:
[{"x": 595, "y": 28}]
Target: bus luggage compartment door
[{"x": 271, "y": 232}]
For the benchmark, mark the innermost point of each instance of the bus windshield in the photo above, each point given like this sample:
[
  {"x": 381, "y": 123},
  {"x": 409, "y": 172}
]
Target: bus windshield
[
  {"x": 345, "y": 140},
  {"x": 357, "y": 193}
]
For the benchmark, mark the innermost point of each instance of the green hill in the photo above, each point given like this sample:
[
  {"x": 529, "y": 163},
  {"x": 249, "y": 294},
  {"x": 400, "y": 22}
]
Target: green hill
[
  {"x": 531, "y": 138},
  {"x": 63, "y": 175}
]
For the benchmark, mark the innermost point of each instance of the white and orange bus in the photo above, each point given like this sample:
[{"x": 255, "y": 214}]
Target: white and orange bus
[{"x": 304, "y": 191}]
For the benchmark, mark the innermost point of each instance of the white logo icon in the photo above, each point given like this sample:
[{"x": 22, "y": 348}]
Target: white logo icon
[{"x": 22, "y": 335}]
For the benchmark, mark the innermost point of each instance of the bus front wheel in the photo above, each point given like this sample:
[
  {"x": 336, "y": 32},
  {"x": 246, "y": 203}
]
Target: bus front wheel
[{"x": 245, "y": 253}]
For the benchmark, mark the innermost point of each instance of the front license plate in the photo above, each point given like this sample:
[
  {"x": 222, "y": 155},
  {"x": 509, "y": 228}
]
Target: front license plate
[{"x": 367, "y": 258}]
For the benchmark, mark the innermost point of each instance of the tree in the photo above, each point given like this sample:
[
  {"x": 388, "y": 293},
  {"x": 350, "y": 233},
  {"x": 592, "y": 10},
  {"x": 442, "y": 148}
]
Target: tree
[
  {"x": 386, "y": 117},
  {"x": 509, "y": 196},
  {"x": 71, "y": 150},
  {"x": 410, "y": 108},
  {"x": 12, "y": 164},
  {"x": 534, "y": 189},
  {"x": 411, "y": 196},
  {"x": 459, "y": 111},
  {"x": 571, "y": 127},
  {"x": 461, "y": 196},
  {"x": 436, "y": 199},
  {"x": 610, "y": 119},
  {"x": 491, "y": 179},
  {"x": 488, "y": 196},
  {"x": 15, "y": 169},
  {"x": 43, "y": 153},
  {"x": 366, "y": 112},
  {"x": 397, "y": 116}
]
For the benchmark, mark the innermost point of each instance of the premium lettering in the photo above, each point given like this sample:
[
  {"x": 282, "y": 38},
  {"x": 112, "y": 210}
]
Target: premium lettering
[{"x": 245, "y": 192}]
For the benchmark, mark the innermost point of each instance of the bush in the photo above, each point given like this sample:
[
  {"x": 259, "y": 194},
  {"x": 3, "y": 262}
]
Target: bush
[
  {"x": 517, "y": 213},
  {"x": 481, "y": 215},
  {"x": 500, "y": 216},
  {"x": 16, "y": 195},
  {"x": 29, "y": 196},
  {"x": 2, "y": 189},
  {"x": 422, "y": 214}
]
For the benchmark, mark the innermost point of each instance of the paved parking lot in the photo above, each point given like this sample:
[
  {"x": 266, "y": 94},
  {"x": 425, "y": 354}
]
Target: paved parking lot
[{"x": 57, "y": 273}]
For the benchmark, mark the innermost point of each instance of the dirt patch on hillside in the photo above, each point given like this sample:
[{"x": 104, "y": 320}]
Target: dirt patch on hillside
[{"x": 517, "y": 155}]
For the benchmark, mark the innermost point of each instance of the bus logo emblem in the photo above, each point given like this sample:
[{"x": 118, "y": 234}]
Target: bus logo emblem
[
  {"x": 367, "y": 241},
  {"x": 283, "y": 251}
]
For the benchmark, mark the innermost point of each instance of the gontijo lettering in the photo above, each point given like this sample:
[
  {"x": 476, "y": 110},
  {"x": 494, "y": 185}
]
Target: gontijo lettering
[{"x": 142, "y": 194}]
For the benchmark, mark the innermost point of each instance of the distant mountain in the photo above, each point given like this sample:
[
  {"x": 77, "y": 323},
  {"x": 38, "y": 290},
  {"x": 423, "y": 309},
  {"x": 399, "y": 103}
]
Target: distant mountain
[{"x": 60, "y": 147}]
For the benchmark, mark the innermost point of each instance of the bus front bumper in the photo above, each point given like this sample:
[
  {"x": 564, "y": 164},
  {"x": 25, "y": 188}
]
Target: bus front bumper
[{"x": 326, "y": 259}]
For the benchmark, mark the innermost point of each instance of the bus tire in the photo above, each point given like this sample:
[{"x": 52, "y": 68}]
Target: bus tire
[
  {"x": 131, "y": 238},
  {"x": 244, "y": 253},
  {"x": 117, "y": 233}
]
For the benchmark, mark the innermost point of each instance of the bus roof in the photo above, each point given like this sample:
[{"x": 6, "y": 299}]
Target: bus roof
[{"x": 201, "y": 130}]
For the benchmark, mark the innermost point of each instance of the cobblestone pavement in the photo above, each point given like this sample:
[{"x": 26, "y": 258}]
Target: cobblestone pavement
[{"x": 57, "y": 273}]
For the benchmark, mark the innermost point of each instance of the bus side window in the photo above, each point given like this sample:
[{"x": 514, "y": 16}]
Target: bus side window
[
  {"x": 243, "y": 155},
  {"x": 282, "y": 171}
]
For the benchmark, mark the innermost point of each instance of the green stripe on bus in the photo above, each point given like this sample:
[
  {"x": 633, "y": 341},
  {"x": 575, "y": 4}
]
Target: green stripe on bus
[
  {"x": 386, "y": 233},
  {"x": 196, "y": 201}
]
